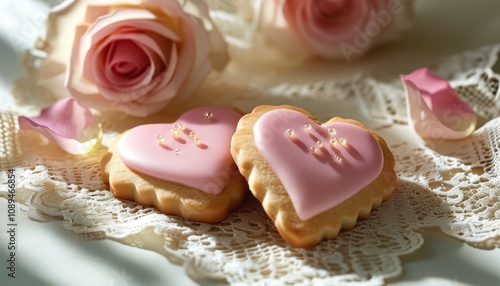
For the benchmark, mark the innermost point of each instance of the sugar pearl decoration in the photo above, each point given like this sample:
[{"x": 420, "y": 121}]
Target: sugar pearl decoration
[
  {"x": 319, "y": 143},
  {"x": 177, "y": 151},
  {"x": 342, "y": 141},
  {"x": 160, "y": 138},
  {"x": 208, "y": 115},
  {"x": 308, "y": 127},
  {"x": 177, "y": 130},
  {"x": 195, "y": 138},
  {"x": 290, "y": 132},
  {"x": 313, "y": 149},
  {"x": 332, "y": 131}
]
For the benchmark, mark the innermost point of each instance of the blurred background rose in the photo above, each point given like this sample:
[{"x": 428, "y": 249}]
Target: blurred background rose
[
  {"x": 132, "y": 56},
  {"x": 332, "y": 29}
]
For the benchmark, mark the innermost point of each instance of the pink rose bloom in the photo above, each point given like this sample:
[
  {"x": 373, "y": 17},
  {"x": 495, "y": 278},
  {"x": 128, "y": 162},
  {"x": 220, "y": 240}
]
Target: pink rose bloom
[
  {"x": 332, "y": 29},
  {"x": 132, "y": 55}
]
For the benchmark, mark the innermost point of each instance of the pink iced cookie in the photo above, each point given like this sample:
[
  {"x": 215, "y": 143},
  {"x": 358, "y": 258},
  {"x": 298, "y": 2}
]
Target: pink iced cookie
[
  {"x": 183, "y": 168},
  {"x": 192, "y": 151},
  {"x": 312, "y": 179},
  {"x": 434, "y": 109},
  {"x": 320, "y": 166}
]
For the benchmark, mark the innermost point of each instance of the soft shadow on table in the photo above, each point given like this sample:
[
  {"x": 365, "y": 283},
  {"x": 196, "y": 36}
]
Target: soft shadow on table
[
  {"x": 10, "y": 59},
  {"x": 433, "y": 261},
  {"x": 125, "y": 268},
  {"x": 23, "y": 275}
]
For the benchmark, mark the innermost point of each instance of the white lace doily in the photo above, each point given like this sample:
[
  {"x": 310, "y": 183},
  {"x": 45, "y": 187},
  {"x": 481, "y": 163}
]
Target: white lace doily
[{"x": 450, "y": 185}]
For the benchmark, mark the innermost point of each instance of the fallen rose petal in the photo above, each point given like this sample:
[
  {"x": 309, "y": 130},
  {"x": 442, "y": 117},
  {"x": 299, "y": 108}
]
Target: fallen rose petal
[
  {"x": 434, "y": 108},
  {"x": 69, "y": 125}
]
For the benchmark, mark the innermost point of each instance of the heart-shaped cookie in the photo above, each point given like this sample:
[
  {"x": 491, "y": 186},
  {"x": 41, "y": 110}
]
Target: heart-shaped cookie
[
  {"x": 312, "y": 180},
  {"x": 192, "y": 151},
  {"x": 320, "y": 166},
  {"x": 182, "y": 168}
]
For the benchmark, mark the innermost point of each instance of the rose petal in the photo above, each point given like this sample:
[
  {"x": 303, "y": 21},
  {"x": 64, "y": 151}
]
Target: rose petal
[
  {"x": 435, "y": 109},
  {"x": 150, "y": 41},
  {"x": 139, "y": 18},
  {"x": 193, "y": 60},
  {"x": 61, "y": 21},
  {"x": 110, "y": 27},
  {"x": 69, "y": 125},
  {"x": 161, "y": 90},
  {"x": 96, "y": 64},
  {"x": 66, "y": 14},
  {"x": 341, "y": 21},
  {"x": 125, "y": 61},
  {"x": 131, "y": 89}
]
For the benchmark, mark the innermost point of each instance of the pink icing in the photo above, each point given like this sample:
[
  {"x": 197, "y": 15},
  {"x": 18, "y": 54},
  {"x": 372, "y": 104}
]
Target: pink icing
[
  {"x": 201, "y": 159},
  {"x": 316, "y": 176},
  {"x": 435, "y": 109}
]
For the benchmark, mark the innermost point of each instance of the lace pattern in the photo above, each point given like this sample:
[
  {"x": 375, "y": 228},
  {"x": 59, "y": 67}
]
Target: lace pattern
[{"x": 450, "y": 185}]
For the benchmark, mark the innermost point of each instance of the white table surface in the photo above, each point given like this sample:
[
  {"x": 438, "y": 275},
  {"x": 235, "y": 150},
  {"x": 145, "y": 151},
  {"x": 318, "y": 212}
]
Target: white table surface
[{"x": 50, "y": 255}]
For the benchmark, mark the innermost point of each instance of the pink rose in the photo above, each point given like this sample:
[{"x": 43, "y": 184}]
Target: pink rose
[
  {"x": 333, "y": 29},
  {"x": 132, "y": 55}
]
